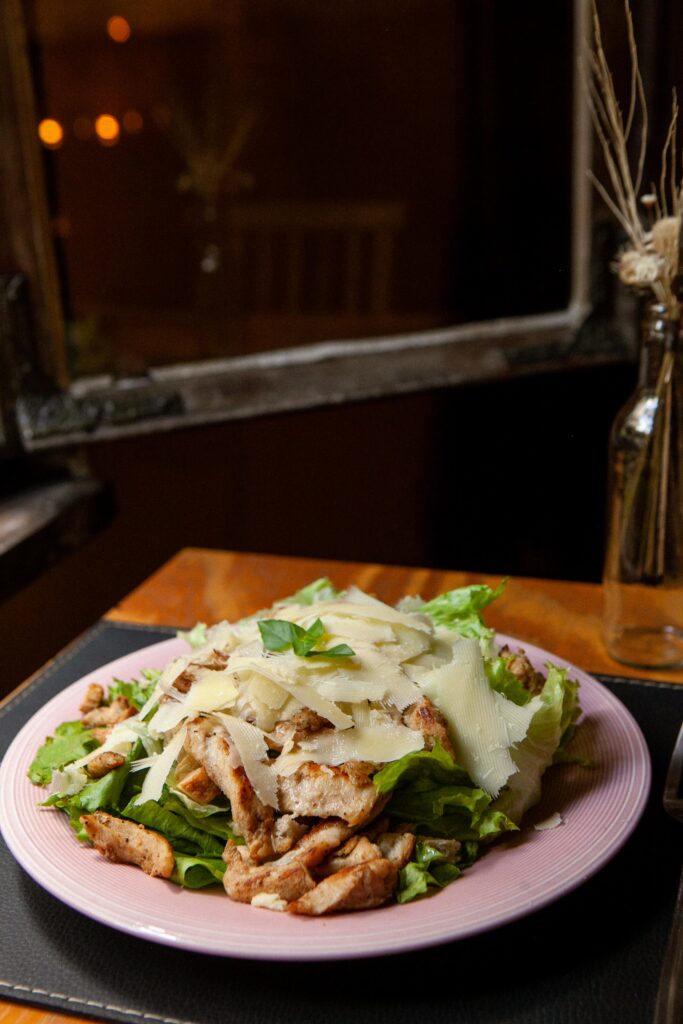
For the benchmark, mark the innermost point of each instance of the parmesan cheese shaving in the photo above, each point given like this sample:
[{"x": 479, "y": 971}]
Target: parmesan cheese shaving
[
  {"x": 376, "y": 744},
  {"x": 353, "y": 608},
  {"x": 481, "y": 722},
  {"x": 252, "y": 748},
  {"x": 304, "y": 693},
  {"x": 169, "y": 716},
  {"x": 171, "y": 673},
  {"x": 160, "y": 769},
  {"x": 211, "y": 690},
  {"x": 552, "y": 821}
]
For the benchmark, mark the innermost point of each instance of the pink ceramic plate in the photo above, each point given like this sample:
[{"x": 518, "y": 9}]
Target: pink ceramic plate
[{"x": 600, "y": 807}]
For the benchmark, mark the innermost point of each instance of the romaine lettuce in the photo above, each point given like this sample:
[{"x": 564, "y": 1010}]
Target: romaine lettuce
[{"x": 550, "y": 728}]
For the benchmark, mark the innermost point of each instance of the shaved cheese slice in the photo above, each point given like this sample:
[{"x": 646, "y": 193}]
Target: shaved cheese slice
[
  {"x": 399, "y": 690},
  {"x": 267, "y": 692},
  {"x": 351, "y": 690},
  {"x": 483, "y": 725},
  {"x": 304, "y": 693},
  {"x": 376, "y": 744},
  {"x": 343, "y": 627},
  {"x": 171, "y": 673},
  {"x": 169, "y": 716},
  {"x": 211, "y": 690},
  {"x": 552, "y": 821},
  {"x": 367, "y": 609},
  {"x": 150, "y": 702},
  {"x": 252, "y": 748},
  {"x": 119, "y": 741},
  {"x": 160, "y": 769}
]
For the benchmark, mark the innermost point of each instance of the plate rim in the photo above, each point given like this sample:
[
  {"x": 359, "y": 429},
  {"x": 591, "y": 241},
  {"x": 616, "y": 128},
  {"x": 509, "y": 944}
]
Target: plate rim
[{"x": 79, "y": 902}]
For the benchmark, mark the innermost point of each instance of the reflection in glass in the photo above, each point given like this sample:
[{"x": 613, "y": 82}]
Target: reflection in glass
[{"x": 242, "y": 176}]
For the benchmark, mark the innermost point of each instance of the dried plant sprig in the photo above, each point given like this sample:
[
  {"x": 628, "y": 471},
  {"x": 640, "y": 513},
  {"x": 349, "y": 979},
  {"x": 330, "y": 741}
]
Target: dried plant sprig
[
  {"x": 614, "y": 134},
  {"x": 653, "y": 256}
]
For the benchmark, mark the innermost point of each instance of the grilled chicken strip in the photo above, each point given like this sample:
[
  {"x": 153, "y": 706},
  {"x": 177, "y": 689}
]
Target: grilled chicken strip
[
  {"x": 130, "y": 843},
  {"x": 300, "y": 726},
  {"x": 356, "y": 850},
  {"x": 209, "y": 745},
  {"x": 425, "y": 718},
  {"x": 322, "y": 791},
  {"x": 94, "y": 695},
  {"x": 397, "y": 847},
  {"x": 198, "y": 786},
  {"x": 288, "y": 877},
  {"x": 110, "y": 714},
  {"x": 355, "y": 888},
  {"x": 103, "y": 763}
]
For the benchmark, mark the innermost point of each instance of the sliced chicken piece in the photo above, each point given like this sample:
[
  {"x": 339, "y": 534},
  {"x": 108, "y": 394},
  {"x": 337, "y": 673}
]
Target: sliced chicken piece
[
  {"x": 198, "y": 786},
  {"x": 215, "y": 661},
  {"x": 286, "y": 832},
  {"x": 322, "y": 791},
  {"x": 109, "y": 714},
  {"x": 94, "y": 695},
  {"x": 397, "y": 847},
  {"x": 102, "y": 733},
  {"x": 354, "y": 888},
  {"x": 356, "y": 850},
  {"x": 288, "y": 877},
  {"x": 104, "y": 763},
  {"x": 208, "y": 743},
  {"x": 244, "y": 881},
  {"x": 127, "y": 842},
  {"x": 300, "y": 726},
  {"x": 518, "y": 663},
  {"x": 425, "y": 718}
]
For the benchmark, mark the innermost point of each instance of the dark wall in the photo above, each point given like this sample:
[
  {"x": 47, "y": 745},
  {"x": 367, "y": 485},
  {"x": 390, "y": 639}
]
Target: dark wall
[{"x": 504, "y": 478}]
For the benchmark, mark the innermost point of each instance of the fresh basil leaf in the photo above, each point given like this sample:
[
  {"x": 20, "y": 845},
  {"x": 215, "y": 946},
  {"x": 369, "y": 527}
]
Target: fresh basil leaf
[
  {"x": 280, "y": 635},
  {"x": 339, "y": 651}
]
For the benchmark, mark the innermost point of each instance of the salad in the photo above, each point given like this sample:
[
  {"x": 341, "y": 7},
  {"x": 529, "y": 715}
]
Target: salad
[{"x": 331, "y": 753}]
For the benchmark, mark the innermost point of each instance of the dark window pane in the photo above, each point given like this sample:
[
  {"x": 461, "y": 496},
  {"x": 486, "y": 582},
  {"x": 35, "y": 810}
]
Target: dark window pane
[{"x": 232, "y": 177}]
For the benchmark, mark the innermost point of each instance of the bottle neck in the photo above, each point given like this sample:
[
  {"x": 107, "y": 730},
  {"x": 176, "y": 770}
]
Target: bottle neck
[{"x": 660, "y": 335}]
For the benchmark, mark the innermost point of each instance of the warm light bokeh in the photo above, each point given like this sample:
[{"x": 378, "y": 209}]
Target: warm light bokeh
[
  {"x": 118, "y": 29},
  {"x": 107, "y": 129},
  {"x": 51, "y": 133}
]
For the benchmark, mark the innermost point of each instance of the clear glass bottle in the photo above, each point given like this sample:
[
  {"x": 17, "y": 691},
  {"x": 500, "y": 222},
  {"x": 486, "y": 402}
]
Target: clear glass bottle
[{"x": 643, "y": 573}]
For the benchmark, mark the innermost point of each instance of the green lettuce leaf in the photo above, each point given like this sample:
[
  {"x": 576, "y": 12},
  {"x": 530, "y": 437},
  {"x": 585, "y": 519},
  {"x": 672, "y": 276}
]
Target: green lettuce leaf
[
  {"x": 195, "y": 637},
  {"x": 197, "y": 872},
  {"x": 134, "y": 693},
  {"x": 558, "y": 709},
  {"x": 434, "y": 793},
  {"x": 216, "y": 824},
  {"x": 429, "y": 868},
  {"x": 321, "y": 589},
  {"x": 506, "y": 682},
  {"x": 181, "y": 835},
  {"x": 461, "y": 609},
  {"x": 70, "y": 742}
]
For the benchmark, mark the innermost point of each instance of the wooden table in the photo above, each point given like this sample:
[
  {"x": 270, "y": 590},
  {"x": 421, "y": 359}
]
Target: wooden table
[{"x": 201, "y": 585}]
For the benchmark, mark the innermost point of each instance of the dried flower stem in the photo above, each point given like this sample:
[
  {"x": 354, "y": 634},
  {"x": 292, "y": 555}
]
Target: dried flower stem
[{"x": 653, "y": 260}]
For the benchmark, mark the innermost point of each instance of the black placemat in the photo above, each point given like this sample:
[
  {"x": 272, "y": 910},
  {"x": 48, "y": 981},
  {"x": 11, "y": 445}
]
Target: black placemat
[{"x": 592, "y": 956}]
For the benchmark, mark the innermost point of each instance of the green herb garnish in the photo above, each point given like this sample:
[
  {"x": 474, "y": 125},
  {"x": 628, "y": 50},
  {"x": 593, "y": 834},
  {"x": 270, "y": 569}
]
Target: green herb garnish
[{"x": 280, "y": 635}]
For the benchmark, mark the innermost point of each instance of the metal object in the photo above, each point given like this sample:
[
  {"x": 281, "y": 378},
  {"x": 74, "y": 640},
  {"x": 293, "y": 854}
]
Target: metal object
[{"x": 669, "y": 1008}]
